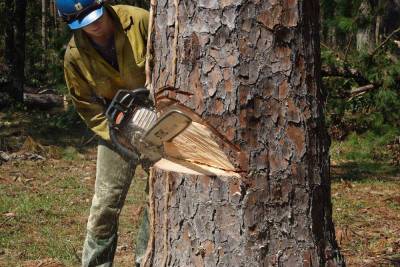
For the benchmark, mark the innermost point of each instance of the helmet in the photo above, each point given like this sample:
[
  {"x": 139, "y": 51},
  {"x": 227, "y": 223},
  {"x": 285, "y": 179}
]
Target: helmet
[{"x": 80, "y": 13}]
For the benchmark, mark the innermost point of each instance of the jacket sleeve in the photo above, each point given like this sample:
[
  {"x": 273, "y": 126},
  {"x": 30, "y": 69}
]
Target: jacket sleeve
[
  {"x": 86, "y": 103},
  {"x": 144, "y": 24}
]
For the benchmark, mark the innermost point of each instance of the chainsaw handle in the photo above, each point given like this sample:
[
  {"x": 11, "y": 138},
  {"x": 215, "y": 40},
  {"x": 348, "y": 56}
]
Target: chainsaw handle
[
  {"x": 131, "y": 155},
  {"x": 123, "y": 101}
]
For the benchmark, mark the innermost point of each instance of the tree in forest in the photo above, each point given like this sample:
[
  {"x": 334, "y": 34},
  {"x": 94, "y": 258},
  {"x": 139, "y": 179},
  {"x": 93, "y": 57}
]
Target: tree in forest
[
  {"x": 361, "y": 66},
  {"x": 14, "y": 50},
  {"x": 18, "y": 58},
  {"x": 247, "y": 184}
]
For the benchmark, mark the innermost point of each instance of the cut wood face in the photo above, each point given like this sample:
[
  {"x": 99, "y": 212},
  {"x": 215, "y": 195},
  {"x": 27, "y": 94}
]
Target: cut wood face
[
  {"x": 181, "y": 166},
  {"x": 196, "y": 151},
  {"x": 200, "y": 144},
  {"x": 197, "y": 144}
]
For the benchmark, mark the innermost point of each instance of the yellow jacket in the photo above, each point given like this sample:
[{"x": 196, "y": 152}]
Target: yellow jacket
[{"x": 91, "y": 81}]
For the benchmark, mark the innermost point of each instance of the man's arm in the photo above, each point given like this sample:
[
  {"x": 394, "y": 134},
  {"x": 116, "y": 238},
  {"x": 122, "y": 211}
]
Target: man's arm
[
  {"x": 144, "y": 24},
  {"x": 85, "y": 101}
]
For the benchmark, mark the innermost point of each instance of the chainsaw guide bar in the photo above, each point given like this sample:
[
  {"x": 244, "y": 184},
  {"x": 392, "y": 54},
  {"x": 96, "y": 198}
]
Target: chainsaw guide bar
[{"x": 169, "y": 125}]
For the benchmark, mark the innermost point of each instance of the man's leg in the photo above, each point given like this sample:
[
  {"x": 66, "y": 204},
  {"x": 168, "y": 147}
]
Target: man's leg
[{"x": 113, "y": 178}]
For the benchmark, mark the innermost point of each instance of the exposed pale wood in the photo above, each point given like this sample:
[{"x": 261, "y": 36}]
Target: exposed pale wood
[
  {"x": 186, "y": 167},
  {"x": 175, "y": 43},
  {"x": 385, "y": 41},
  {"x": 153, "y": 6},
  {"x": 197, "y": 145},
  {"x": 362, "y": 89}
]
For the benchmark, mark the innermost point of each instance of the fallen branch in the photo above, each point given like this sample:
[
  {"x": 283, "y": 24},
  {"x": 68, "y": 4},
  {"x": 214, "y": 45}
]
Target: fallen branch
[
  {"x": 43, "y": 101},
  {"x": 345, "y": 72},
  {"x": 5, "y": 221},
  {"x": 350, "y": 73},
  {"x": 384, "y": 42},
  {"x": 346, "y": 53},
  {"x": 361, "y": 90}
]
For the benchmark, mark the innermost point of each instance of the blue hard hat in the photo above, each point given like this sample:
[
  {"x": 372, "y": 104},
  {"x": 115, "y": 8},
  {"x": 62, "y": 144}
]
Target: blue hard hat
[{"x": 80, "y": 13}]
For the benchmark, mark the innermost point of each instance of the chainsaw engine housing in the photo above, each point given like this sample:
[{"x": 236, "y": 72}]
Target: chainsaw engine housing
[
  {"x": 139, "y": 123},
  {"x": 135, "y": 127},
  {"x": 130, "y": 115}
]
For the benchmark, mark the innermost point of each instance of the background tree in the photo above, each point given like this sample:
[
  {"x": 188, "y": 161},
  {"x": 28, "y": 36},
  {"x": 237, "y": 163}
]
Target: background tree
[
  {"x": 361, "y": 67},
  {"x": 17, "y": 75}
]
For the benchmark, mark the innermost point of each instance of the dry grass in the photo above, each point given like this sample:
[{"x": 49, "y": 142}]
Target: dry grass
[
  {"x": 367, "y": 216},
  {"x": 44, "y": 205}
]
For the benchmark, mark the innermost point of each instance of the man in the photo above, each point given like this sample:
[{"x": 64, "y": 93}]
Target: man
[{"x": 106, "y": 53}]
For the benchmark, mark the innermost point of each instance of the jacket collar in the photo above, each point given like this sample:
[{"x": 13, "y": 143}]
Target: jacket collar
[{"x": 85, "y": 47}]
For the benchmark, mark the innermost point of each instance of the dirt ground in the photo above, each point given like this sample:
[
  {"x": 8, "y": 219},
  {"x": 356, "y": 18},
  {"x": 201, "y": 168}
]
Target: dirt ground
[
  {"x": 366, "y": 214},
  {"x": 46, "y": 191},
  {"x": 44, "y": 206}
]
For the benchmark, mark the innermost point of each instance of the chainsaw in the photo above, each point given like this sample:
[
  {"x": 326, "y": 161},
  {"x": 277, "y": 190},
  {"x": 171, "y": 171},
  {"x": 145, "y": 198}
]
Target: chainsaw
[{"x": 135, "y": 128}]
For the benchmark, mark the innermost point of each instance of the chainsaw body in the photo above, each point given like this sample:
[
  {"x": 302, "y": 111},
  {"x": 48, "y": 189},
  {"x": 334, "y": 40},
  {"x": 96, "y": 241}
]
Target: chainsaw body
[{"x": 135, "y": 128}]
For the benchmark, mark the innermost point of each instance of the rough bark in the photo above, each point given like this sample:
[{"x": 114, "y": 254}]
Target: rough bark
[{"x": 250, "y": 70}]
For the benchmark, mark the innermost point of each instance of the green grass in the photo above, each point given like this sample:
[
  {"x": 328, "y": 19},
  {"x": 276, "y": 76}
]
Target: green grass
[
  {"x": 40, "y": 225},
  {"x": 50, "y": 211},
  {"x": 365, "y": 197},
  {"x": 366, "y": 216},
  {"x": 364, "y": 156}
]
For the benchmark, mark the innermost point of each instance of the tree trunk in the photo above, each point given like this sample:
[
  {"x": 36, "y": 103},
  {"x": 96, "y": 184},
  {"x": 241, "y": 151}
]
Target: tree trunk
[
  {"x": 9, "y": 33},
  {"x": 390, "y": 21},
  {"x": 54, "y": 14},
  {"x": 248, "y": 183},
  {"x": 17, "y": 70},
  {"x": 328, "y": 33},
  {"x": 366, "y": 34},
  {"x": 43, "y": 28}
]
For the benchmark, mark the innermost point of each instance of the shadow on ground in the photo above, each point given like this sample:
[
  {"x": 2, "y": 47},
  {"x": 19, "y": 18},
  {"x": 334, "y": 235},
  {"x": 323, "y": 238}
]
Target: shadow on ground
[
  {"x": 364, "y": 170},
  {"x": 57, "y": 128}
]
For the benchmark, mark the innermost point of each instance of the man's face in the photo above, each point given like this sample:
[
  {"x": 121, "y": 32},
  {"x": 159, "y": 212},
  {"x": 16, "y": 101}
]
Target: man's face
[{"x": 103, "y": 27}]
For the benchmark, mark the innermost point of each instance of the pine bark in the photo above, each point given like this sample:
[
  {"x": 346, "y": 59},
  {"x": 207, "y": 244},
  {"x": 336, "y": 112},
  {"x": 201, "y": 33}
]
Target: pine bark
[{"x": 251, "y": 74}]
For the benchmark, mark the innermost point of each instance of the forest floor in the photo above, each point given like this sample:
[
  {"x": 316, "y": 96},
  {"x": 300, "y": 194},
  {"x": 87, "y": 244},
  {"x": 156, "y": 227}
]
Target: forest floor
[{"x": 46, "y": 184}]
